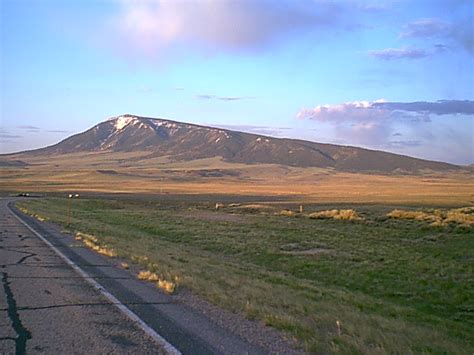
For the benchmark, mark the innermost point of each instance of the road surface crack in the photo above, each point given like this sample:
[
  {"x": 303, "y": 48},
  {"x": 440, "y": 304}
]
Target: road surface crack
[
  {"x": 29, "y": 254},
  {"x": 23, "y": 334},
  {"x": 25, "y": 257}
]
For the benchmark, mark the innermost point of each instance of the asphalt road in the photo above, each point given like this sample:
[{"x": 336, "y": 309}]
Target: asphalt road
[{"x": 81, "y": 302}]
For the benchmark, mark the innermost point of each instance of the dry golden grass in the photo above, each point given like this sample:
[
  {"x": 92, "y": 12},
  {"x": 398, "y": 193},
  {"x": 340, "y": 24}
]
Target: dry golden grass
[
  {"x": 162, "y": 283},
  {"x": 35, "y": 215},
  {"x": 348, "y": 215},
  {"x": 93, "y": 243},
  {"x": 167, "y": 286},
  {"x": 80, "y": 172},
  {"x": 148, "y": 276},
  {"x": 438, "y": 218},
  {"x": 461, "y": 216},
  {"x": 286, "y": 213}
]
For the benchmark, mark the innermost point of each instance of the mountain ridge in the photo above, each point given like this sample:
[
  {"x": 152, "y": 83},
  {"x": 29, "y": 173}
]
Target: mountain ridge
[{"x": 187, "y": 141}]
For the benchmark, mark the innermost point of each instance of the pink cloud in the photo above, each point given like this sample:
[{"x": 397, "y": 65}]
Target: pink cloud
[
  {"x": 353, "y": 111},
  {"x": 154, "y": 26},
  {"x": 381, "y": 109},
  {"x": 374, "y": 124}
]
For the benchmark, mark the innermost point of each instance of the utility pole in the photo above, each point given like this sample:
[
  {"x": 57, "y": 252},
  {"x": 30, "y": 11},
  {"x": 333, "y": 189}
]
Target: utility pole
[{"x": 69, "y": 207}]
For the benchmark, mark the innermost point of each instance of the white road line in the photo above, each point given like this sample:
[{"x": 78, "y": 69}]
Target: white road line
[{"x": 170, "y": 349}]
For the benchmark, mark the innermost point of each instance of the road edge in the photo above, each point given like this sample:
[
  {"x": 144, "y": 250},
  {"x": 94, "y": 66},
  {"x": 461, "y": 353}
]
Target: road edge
[{"x": 169, "y": 348}]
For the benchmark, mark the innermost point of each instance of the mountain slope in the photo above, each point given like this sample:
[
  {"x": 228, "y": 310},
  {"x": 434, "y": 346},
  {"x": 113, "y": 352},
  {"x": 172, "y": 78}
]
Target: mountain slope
[{"x": 182, "y": 141}]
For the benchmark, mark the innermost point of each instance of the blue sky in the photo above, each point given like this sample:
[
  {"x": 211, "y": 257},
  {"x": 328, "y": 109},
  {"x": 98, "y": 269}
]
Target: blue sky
[{"x": 391, "y": 75}]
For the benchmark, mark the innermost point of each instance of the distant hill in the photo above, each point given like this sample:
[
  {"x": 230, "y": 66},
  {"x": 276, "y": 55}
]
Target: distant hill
[
  {"x": 184, "y": 141},
  {"x": 12, "y": 163}
]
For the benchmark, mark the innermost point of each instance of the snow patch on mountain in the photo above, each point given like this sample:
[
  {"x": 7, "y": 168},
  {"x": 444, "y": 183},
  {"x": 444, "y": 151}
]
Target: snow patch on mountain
[
  {"x": 123, "y": 121},
  {"x": 166, "y": 124}
]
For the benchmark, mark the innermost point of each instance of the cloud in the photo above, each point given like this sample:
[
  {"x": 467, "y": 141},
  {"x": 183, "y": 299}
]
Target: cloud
[
  {"x": 204, "y": 96},
  {"x": 399, "y": 53},
  {"x": 403, "y": 144},
  {"x": 440, "y": 48},
  {"x": 464, "y": 35},
  {"x": 441, "y": 107},
  {"x": 9, "y": 136},
  {"x": 235, "y": 98},
  {"x": 375, "y": 124},
  {"x": 57, "y": 131},
  {"x": 29, "y": 128},
  {"x": 448, "y": 36},
  {"x": 428, "y": 27},
  {"x": 156, "y": 26},
  {"x": 366, "y": 111},
  {"x": 460, "y": 33},
  {"x": 349, "y": 111},
  {"x": 222, "y": 98}
]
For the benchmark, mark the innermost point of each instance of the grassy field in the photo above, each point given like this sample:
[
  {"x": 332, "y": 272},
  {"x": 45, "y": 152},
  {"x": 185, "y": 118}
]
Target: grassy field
[
  {"x": 134, "y": 173},
  {"x": 373, "y": 284}
]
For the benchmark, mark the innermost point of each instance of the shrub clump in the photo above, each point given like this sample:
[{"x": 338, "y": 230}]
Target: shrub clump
[
  {"x": 93, "y": 243},
  {"x": 463, "y": 216},
  {"x": 438, "y": 218},
  {"x": 161, "y": 282},
  {"x": 347, "y": 215},
  {"x": 286, "y": 213},
  {"x": 253, "y": 208},
  {"x": 415, "y": 215}
]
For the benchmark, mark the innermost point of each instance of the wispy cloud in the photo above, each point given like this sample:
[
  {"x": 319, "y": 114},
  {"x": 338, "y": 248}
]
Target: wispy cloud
[
  {"x": 235, "y": 98},
  {"x": 441, "y": 107},
  {"x": 403, "y": 144},
  {"x": 399, "y": 53},
  {"x": 4, "y": 135},
  {"x": 29, "y": 128},
  {"x": 222, "y": 98},
  {"x": 427, "y": 27},
  {"x": 444, "y": 36},
  {"x": 460, "y": 34},
  {"x": 57, "y": 131},
  {"x": 204, "y": 96}
]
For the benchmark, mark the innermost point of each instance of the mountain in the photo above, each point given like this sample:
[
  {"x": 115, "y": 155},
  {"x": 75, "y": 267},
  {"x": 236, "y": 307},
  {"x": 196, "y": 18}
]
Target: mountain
[{"x": 184, "y": 142}]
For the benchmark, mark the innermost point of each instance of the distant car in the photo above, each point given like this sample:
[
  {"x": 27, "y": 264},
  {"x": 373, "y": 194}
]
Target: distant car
[{"x": 23, "y": 194}]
